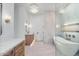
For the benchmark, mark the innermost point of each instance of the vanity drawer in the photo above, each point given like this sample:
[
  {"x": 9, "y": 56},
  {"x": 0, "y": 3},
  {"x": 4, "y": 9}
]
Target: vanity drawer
[
  {"x": 19, "y": 49},
  {"x": 19, "y": 53}
]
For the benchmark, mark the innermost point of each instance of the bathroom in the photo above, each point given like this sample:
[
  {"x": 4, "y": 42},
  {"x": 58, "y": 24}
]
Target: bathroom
[
  {"x": 27, "y": 29},
  {"x": 39, "y": 29}
]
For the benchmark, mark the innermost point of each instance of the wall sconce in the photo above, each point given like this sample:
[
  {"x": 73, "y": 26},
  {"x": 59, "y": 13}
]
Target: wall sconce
[
  {"x": 57, "y": 26},
  {"x": 7, "y": 19},
  {"x": 27, "y": 27}
]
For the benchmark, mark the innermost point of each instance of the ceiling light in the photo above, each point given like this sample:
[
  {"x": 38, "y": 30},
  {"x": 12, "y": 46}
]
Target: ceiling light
[
  {"x": 34, "y": 11},
  {"x": 34, "y": 8}
]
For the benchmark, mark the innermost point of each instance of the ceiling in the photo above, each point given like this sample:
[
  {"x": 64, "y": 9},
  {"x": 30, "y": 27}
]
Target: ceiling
[
  {"x": 50, "y": 6},
  {"x": 59, "y": 6},
  {"x": 46, "y": 6}
]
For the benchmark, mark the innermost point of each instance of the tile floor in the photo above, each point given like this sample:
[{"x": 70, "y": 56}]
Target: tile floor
[{"x": 40, "y": 49}]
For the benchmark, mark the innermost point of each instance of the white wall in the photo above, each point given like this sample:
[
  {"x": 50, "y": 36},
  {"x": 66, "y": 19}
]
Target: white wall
[
  {"x": 20, "y": 16},
  {"x": 8, "y": 29},
  {"x": 71, "y": 13},
  {"x": 43, "y": 23},
  {"x": 58, "y": 22}
]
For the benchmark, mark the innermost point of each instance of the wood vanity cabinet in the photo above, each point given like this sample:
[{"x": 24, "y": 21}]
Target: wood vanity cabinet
[
  {"x": 19, "y": 50},
  {"x": 29, "y": 39}
]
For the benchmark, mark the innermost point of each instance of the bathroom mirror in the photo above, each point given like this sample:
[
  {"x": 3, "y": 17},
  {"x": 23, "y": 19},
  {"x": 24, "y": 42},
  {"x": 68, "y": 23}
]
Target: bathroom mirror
[{"x": 0, "y": 18}]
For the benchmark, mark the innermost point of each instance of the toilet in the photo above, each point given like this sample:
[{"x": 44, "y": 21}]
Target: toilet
[{"x": 65, "y": 47}]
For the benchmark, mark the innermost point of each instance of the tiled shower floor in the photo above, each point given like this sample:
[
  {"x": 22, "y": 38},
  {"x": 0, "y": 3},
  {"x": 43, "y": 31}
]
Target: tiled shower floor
[{"x": 40, "y": 49}]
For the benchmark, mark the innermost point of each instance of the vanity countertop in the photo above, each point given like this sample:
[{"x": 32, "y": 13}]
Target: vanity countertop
[{"x": 7, "y": 45}]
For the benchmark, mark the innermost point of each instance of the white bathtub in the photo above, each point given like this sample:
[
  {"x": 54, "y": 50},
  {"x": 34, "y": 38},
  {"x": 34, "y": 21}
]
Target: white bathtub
[{"x": 65, "y": 47}]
